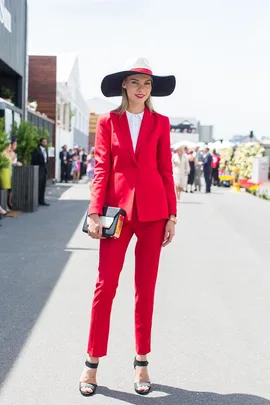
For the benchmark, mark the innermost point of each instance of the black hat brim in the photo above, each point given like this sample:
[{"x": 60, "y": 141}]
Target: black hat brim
[{"x": 162, "y": 86}]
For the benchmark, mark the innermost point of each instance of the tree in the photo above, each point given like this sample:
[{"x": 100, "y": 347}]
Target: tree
[{"x": 27, "y": 136}]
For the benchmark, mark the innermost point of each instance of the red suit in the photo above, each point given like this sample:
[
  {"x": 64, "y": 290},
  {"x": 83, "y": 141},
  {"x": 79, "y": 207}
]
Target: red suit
[{"x": 141, "y": 183}]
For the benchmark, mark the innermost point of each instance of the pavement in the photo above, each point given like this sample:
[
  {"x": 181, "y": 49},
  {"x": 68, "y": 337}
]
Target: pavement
[{"x": 211, "y": 325}]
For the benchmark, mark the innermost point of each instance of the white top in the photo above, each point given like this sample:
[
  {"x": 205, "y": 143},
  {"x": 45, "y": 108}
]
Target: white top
[{"x": 134, "y": 122}]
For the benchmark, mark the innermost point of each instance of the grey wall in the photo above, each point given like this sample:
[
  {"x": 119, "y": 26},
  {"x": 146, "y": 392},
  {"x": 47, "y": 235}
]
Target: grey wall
[{"x": 13, "y": 44}]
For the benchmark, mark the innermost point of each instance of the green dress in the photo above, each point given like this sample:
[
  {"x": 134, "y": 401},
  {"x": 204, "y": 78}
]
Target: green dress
[{"x": 5, "y": 176}]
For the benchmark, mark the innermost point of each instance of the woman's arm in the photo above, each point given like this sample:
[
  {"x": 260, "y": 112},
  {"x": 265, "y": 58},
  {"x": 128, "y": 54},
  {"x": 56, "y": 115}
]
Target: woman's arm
[
  {"x": 102, "y": 166},
  {"x": 164, "y": 162}
]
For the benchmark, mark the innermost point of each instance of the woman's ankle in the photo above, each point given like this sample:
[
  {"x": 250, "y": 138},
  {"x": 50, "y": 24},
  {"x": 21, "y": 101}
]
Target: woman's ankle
[
  {"x": 140, "y": 357},
  {"x": 92, "y": 359}
]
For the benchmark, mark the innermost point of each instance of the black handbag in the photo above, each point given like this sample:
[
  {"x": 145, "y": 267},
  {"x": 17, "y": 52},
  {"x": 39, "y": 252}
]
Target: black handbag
[{"x": 112, "y": 221}]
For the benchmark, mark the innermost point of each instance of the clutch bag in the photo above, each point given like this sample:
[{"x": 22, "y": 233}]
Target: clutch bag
[{"x": 112, "y": 220}]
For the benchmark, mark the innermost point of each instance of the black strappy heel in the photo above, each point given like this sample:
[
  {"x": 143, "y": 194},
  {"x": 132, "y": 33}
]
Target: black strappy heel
[
  {"x": 138, "y": 385},
  {"x": 93, "y": 387}
]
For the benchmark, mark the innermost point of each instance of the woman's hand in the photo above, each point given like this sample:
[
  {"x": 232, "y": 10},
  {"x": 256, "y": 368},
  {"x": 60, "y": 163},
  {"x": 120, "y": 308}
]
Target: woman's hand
[
  {"x": 95, "y": 226},
  {"x": 169, "y": 233}
]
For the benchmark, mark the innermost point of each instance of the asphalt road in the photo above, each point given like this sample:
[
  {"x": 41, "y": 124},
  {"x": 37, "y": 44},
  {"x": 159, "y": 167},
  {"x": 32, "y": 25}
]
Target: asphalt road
[{"x": 211, "y": 326}]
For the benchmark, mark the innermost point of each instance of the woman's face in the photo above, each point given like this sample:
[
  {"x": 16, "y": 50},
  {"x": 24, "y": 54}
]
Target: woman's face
[
  {"x": 14, "y": 146},
  {"x": 180, "y": 151},
  {"x": 138, "y": 88}
]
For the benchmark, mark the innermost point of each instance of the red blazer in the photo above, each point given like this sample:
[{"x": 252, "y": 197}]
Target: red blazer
[{"x": 120, "y": 174}]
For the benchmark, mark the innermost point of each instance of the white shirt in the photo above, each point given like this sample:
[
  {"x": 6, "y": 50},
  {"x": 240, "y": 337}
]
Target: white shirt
[
  {"x": 44, "y": 153},
  {"x": 134, "y": 122}
]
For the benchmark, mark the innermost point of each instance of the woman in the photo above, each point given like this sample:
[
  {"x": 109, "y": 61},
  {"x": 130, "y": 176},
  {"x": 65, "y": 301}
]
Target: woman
[
  {"x": 90, "y": 167},
  {"x": 180, "y": 170},
  {"x": 6, "y": 175},
  {"x": 75, "y": 169},
  {"x": 192, "y": 167},
  {"x": 14, "y": 162},
  {"x": 133, "y": 171}
]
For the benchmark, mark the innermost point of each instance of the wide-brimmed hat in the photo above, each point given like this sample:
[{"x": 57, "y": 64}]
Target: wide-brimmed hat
[{"x": 111, "y": 85}]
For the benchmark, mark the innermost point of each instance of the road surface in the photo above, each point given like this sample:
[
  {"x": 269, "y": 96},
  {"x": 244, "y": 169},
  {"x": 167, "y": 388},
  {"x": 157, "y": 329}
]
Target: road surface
[{"x": 211, "y": 327}]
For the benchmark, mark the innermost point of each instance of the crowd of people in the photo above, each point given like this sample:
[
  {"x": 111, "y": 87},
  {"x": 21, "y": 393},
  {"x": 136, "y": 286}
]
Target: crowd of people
[
  {"x": 75, "y": 163},
  {"x": 188, "y": 167}
]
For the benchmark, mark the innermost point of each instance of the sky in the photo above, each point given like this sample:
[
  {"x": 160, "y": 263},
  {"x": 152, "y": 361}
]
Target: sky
[{"x": 217, "y": 49}]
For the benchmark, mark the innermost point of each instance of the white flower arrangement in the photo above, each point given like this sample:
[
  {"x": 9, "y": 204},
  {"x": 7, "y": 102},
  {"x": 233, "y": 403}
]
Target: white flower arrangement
[{"x": 243, "y": 157}]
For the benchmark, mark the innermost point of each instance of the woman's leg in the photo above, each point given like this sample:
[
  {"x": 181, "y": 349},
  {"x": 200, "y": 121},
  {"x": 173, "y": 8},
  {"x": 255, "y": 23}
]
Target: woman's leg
[
  {"x": 111, "y": 260},
  {"x": 147, "y": 253},
  {"x": 9, "y": 201}
]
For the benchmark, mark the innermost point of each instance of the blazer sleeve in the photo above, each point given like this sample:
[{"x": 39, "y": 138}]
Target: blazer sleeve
[
  {"x": 164, "y": 161},
  {"x": 102, "y": 166}
]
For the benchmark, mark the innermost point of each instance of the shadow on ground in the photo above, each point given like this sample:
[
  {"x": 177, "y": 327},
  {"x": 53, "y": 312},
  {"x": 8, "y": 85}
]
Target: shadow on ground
[
  {"x": 33, "y": 255},
  {"x": 177, "y": 396}
]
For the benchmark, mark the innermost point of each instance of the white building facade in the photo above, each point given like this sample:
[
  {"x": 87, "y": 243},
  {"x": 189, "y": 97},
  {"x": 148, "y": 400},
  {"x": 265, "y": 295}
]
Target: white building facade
[{"x": 72, "y": 127}]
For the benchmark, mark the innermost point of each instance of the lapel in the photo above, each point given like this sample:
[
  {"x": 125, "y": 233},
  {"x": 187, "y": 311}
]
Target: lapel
[
  {"x": 147, "y": 126},
  {"x": 124, "y": 136}
]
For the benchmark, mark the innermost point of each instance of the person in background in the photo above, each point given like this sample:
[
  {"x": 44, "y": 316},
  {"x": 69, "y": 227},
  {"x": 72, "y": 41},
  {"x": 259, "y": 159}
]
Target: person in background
[
  {"x": 90, "y": 167},
  {"x": 75, "y": 169},
  {"x": 6, "y": 176},
  {"x": 198, "y": 168},
  {"x": 14, "y": 163},
  {"x": 64, "y": 158},
  {"x": 215, "y": 168},
  {"x": 71, "y": 153},
  {"x": 83, "y": 157},
  {"x": 40, "y": 158},
  {"x": 191, "y": 175},
  {"x": 13, "y": 147},
  {"x": 77, "y": 151},
  {"x": 207, "y": 169},
  {"x": 180, "y": 171}
]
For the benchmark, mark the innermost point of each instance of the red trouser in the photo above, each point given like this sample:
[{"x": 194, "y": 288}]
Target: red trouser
[{"x": 111, "y": 259}]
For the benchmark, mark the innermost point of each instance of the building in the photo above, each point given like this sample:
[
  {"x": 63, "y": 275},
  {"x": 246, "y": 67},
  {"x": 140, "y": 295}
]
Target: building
[
  {"x": 190, "y": 129},
  {"x": 54, "y": 83},
  {"x": 13, "y": 62},
  {"x": 92, "y": 129},
  {"x": 72, "y": 109},
  {"x": 184, "y": 129},
  {"x": 97, "y": 106},
  {"x": 206, "y": 133}
]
